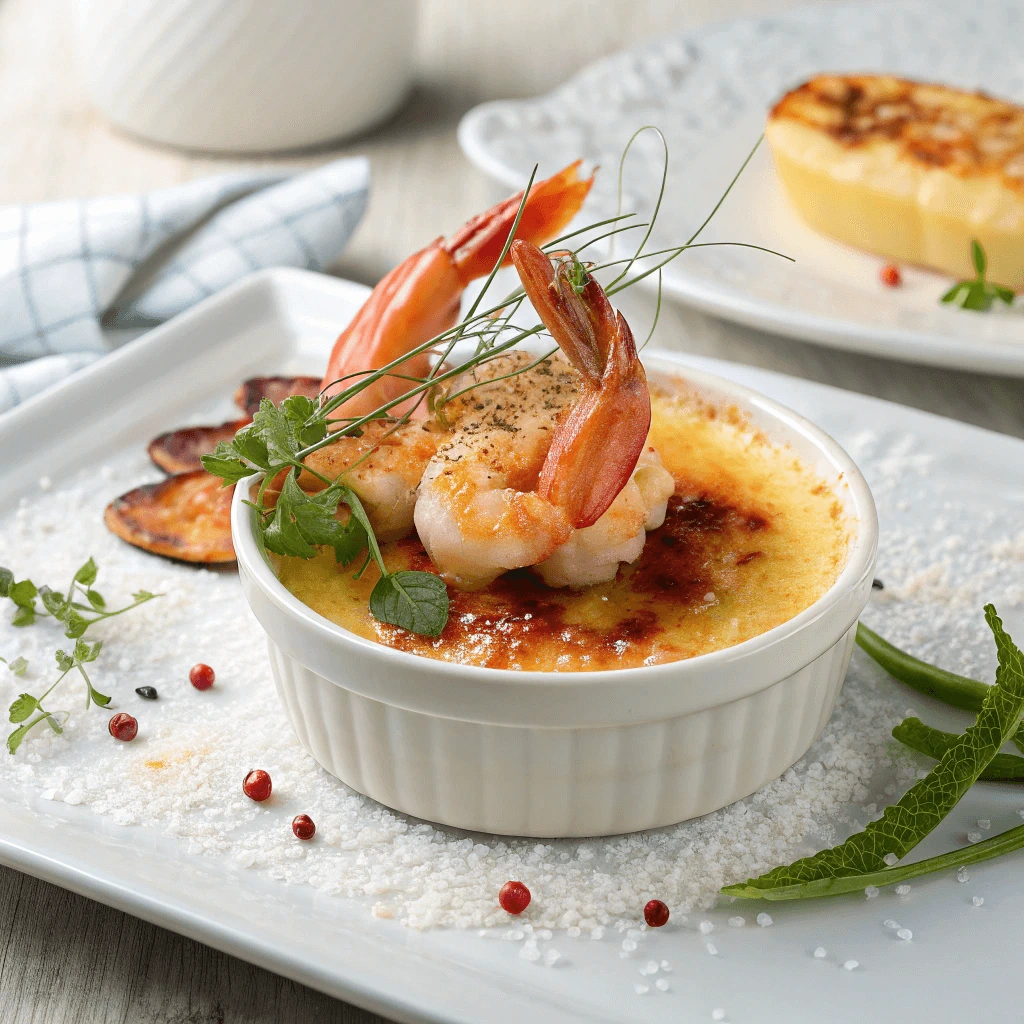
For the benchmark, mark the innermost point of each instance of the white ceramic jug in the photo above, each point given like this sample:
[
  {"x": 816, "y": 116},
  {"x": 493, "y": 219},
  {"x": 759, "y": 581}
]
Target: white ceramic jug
[{"x": 246, "y": 75}]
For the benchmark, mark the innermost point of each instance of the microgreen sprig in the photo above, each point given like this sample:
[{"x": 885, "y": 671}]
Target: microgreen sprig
[
  {"x": 77, "y": 616},
  {"x": 978, "y": 294}
]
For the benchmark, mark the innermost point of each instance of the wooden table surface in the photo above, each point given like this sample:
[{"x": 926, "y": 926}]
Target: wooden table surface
[{"x": 67, "y": 959}]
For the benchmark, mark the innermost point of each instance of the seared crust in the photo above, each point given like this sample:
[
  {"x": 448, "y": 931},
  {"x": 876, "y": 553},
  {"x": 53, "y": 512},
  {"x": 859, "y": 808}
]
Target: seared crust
[
  {"x": 179, "y": 451},
  {"x": 967, "y": 134},
  {"x": 277, "y": 389},
  {"x": 186, "y": 517}
]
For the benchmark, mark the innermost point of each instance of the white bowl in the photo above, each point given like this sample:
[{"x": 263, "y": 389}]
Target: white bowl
[{"x": 577, "y": 753}]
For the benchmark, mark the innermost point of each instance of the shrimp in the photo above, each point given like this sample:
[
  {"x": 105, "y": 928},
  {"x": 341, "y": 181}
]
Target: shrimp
[
  {"x": 420, "y": 298},
  {"x": 548, "y": 468}
]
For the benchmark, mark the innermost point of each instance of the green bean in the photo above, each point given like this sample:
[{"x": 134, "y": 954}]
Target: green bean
[
  {"x": 948, "y": 687},
  {"x": 913, "y": 733}
]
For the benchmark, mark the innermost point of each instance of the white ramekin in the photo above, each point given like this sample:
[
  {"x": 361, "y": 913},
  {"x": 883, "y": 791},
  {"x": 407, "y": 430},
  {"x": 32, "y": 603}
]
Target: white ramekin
[{"x": 577, "y": 753}]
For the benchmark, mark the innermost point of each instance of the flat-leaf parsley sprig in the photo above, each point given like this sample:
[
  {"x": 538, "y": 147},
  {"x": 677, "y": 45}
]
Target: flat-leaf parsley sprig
[
  {"x": 280, "y": 438},
  {"x": 77, "y": 610},
  {"x": 870, "y": 857},
  {"x": 978, "y": 294}
]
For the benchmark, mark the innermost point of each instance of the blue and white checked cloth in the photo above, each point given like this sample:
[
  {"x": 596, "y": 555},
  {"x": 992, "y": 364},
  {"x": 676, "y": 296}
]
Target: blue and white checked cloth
[{"x": 68, "y": 270}]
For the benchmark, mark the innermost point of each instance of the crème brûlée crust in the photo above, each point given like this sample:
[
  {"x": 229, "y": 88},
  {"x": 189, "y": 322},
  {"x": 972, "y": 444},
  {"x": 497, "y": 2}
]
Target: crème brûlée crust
[{"x": 909, "y": 171}]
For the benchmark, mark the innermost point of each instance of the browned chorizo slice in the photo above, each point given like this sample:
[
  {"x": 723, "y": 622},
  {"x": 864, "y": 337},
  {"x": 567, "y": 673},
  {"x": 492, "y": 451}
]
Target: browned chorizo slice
[
  {"x": 178, "y": 451},
  {"x": 277, "y": 389}
]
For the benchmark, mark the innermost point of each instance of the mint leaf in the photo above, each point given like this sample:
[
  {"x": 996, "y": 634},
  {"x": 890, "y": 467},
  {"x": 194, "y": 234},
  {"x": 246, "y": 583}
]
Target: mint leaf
[
  {"x": 6, "y": 581},
  {"x": 87, "y": 574},
  {"x": 913, "y": 733},
  {"x": 303, "y": 522},
  {"x": 416, "y": 601},
  {"x": 22, "y": 707},
  {"x": 904, "y": 824}
]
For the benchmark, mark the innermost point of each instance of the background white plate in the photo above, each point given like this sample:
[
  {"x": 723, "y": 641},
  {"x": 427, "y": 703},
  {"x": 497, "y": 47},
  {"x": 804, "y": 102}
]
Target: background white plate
[
  {"x": 934, "y": 478},
  {"x": 709, "y": 93}
]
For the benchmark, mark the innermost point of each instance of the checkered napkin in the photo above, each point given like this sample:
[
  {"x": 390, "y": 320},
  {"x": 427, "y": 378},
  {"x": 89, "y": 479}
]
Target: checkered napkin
[{"x": 71, "y": 270}]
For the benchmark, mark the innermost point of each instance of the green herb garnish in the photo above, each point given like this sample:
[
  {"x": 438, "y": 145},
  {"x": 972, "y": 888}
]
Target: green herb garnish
[
  {"x": 904, "y": 824},
  {"x": 18, "y": 666},
  {"x": 83, "y": 606},
  {"x": 913, "y": 733},
  {"x": 978, "y": 294},
  {"x": 280, "y": 439}
]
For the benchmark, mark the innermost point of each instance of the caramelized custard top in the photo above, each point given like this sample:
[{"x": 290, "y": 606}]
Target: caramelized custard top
[{"x": 751, "y": 539}]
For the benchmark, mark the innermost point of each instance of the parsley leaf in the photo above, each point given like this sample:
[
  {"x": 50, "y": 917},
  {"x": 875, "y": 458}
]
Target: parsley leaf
[
  {"x": 416, "y": 601},
  {"x": 904, "y": 824},
  {"x": 978, "y": 294},
  {"x": 302, "y": 522},
  {"x": 287, "y": 428}
]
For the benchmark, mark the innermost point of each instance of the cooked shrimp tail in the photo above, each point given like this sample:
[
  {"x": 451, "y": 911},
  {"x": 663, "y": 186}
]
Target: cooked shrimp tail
[
  {"x": 419, "y": 299},
  {"x": 595, "y": 449}
]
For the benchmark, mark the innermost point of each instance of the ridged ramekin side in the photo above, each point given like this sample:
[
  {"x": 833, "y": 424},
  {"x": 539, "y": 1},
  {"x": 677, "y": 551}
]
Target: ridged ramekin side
[{"x": 548, "y": 782}]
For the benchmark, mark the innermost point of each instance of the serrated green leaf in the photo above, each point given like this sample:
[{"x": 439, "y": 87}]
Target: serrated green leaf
[
  {"x": 226, "y": 464},
  {"x": 87, "y": 574},
  {"x": 96, "y": 599},
  {"x": 23, "y": 594},
  {"x": 904, "y": 824},
  {"x": 416, "y": 601},
  {"x": 249, "y": 446},
  {"x": 24, "y": 616},
  {"x": 6, "y": 581},
  {"x": 913, "y": 733},
  {"x": 284, "y": 430},
  {"x": 301, "y": 523},
  {"x": 23, "y": 707}
]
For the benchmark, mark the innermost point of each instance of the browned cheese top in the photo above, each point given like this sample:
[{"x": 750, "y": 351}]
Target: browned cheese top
[{"x": 752, "y": 537}]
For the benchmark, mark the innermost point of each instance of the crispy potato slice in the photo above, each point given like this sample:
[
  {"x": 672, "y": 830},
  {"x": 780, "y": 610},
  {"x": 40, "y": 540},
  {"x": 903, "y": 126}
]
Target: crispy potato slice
[
  {"x": 186, "y": 517},
  {"x": 178, "y": 451},
  {"x": 277, "y": 389}
]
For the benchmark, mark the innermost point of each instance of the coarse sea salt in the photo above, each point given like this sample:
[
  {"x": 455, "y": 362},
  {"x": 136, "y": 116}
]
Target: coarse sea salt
[{"x": 181, "y": 776}]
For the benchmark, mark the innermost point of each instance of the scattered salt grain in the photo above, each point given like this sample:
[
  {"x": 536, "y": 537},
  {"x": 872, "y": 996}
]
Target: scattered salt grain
[
  {"x": 984, "y": 823},
  {"x": 711, "y": 948},
  {"x": 45, "y": 483},
  {"x": 514, "y": 935},
  {"x": 628, "y": 945},
  {"x": 765, "y": 920},
  {"x": 530, "y": 952},
  {"x": 661, "y": 984},
  {"x": 890, "y": 859},
  {"x": 961, "y": 874},
  {"x": 871, "y": 891},
  {"x": 903, "y": 890},
  {"x": 597, "y": 933},
  {"x": 851, "y": 965},
  {"x": 718, "y": 1013},
  {"x": 551, "y": 957},
  {"x": 573, "y": 932},
  {"x": 641, "y": 989},
  {"x": 890, "y": 923},
  {"x": 544, "y": 933},
  {"x": 706, "y": 927},
  {"x": 977, "y": 900},
  {"x": 905, "y": 934},
  {"x": 737, "y": 922},
  {"x": 820, "y": 953},
  {"x": 666, "y": 966},
  {"x": 974, "y": 836}
]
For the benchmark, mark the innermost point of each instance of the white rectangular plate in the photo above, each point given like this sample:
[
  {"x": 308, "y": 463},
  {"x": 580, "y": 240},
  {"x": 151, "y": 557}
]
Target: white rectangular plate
[{"x": 934, "y": 479}]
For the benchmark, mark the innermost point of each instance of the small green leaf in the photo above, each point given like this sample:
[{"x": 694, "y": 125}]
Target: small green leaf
[
  {"x": 97, "y": 698},
  {"x": 141, "y": 596},
  {"x": 1003, "y": 294},
  {"x": 301, "y": 523},
  {"x": 52, "y": 722},
  {"x": 76, "y": 625},
  {"x": 6, "y": 581},
  {"x": 22, "y": 708},
  {"x": 15, "y": 738},
  {"x": 54, "y": 603},
  {"x": 978, "y": 258},
  {"x": 24, "y": 616},
  {"x": 416, "y": 601},
  {"x": 87, "y": 574},
  {"x": 64, "y": 661},
  {"x": 227, "y": 465},
  {"x": 18, "y": 666},
  {"x": 249, "y": 446},
  {"x": 23, "y": 594},
  {"x": 96, "y": 599}
]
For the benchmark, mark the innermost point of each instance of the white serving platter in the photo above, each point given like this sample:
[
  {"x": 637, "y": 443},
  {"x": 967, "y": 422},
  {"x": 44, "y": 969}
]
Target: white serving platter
[
  {"x": 933, "y": 477},
  {"x": 709, "y": 92}
]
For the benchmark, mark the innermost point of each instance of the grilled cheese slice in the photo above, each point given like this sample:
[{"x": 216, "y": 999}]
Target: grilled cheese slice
[{"x": 910, "y": 171}]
